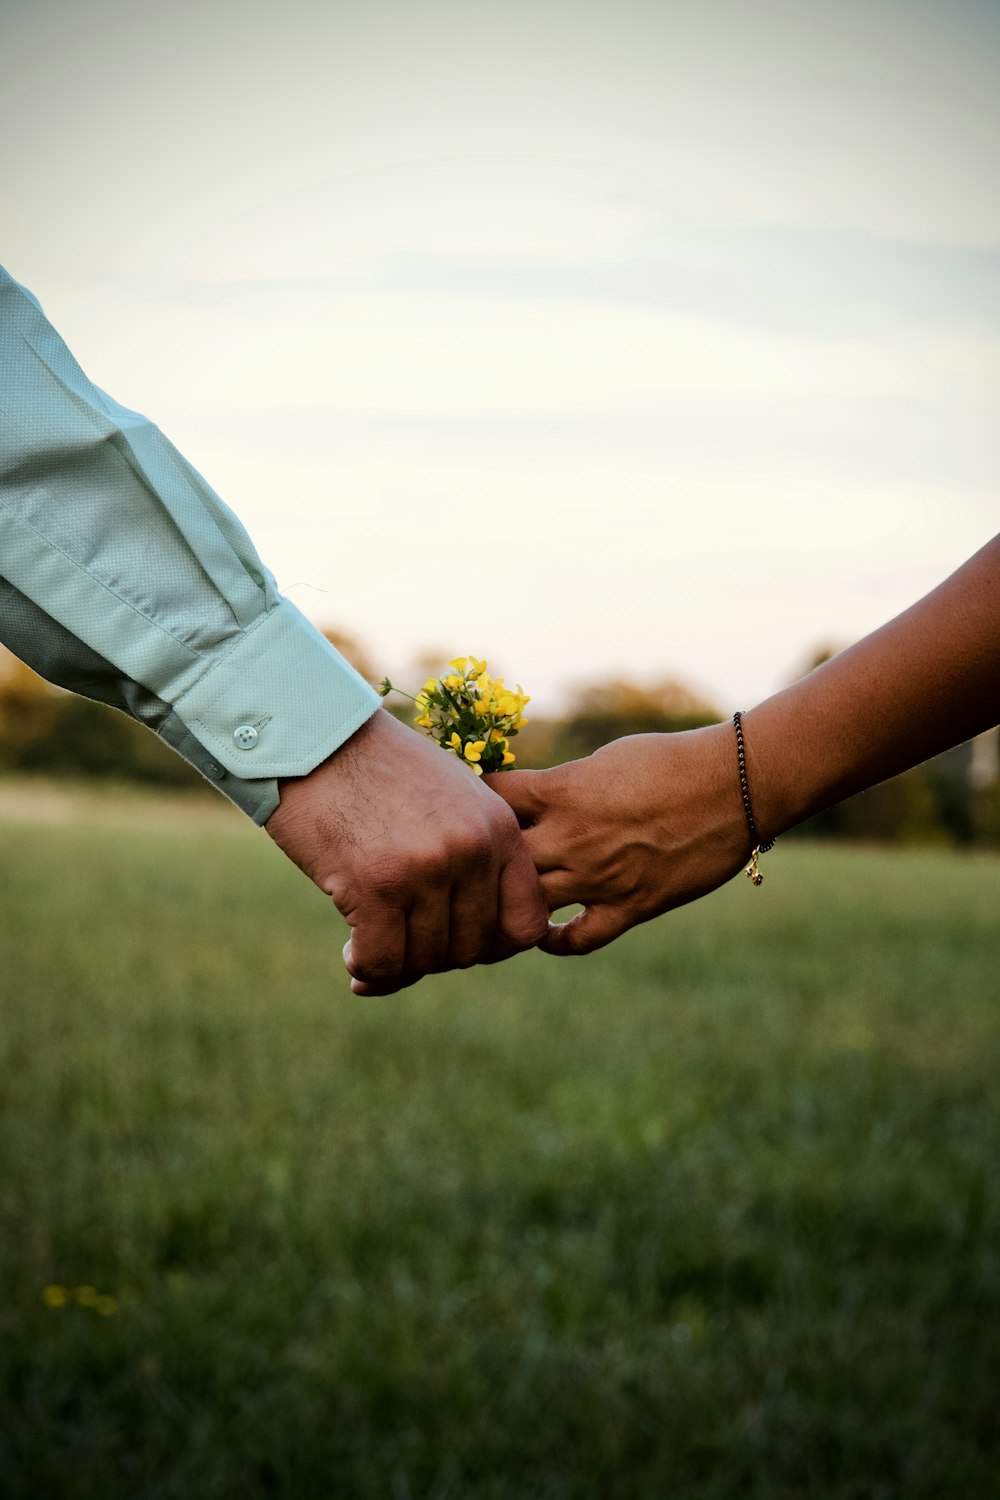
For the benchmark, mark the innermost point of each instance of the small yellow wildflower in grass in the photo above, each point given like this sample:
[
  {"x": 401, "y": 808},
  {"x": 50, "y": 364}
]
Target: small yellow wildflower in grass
[
  {"x": 470, "y": 713},
  {"x": 83, "y": 1296}
]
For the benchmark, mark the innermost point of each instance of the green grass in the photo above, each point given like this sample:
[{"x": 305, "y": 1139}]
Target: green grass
[{"x": 713, "y": 1213}]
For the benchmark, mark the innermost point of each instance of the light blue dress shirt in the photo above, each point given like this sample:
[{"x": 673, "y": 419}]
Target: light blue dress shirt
[{"x": 125, "y": 578}]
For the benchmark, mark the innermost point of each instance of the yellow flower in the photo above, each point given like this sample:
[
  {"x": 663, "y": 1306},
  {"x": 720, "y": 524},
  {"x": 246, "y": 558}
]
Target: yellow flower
[
  {"x": 106, "y": 1306},
  {"x": 466, "y": 702},
  {"x": 87, "y": 1296},
  {"x": 55, "y": 1296}
]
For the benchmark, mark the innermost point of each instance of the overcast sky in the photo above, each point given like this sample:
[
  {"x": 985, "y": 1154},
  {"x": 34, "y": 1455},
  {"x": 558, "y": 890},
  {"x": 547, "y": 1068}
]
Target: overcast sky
[{"x": 657, "y": 339}]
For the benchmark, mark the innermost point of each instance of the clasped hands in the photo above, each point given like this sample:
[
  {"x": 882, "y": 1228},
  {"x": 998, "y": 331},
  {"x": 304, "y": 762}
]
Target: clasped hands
[{"x": 436, "y": 869}]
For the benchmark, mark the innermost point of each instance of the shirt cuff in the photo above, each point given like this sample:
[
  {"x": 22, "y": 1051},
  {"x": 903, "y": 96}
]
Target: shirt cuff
[{"x": 278, "y": 702}]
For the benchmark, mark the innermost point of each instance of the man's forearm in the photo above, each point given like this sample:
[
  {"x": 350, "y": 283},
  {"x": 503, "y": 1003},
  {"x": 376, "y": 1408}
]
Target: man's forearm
[
  {"x": 124, "y": 577},
  {"x": 927, "y": 680}
]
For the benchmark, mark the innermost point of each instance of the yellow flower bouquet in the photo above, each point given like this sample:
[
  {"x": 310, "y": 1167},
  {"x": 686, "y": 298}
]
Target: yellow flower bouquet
[{"x": 470, "y": 713}]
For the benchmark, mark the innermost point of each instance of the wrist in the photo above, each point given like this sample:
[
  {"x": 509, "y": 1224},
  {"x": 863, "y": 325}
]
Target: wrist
[
  {"x": 787, "y": 768},
  {"x": 722, "y": 788}
]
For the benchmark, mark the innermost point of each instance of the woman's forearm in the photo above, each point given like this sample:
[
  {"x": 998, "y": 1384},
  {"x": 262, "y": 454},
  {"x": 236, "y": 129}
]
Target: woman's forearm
[
  {"x": 927, "y": 680},
  {"x": 654, "y": 820}
]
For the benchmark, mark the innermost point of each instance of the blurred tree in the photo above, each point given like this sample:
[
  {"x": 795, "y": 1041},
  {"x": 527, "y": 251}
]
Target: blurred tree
[
  {"x": 46, "y": 731},
  {"x": 605, "y": 711},
  {"x": 28, "y": 709},
  {"x": 954, "y": 798},
  {"x": 984, "y": 788},
  {"x": 903, "y": 810}
]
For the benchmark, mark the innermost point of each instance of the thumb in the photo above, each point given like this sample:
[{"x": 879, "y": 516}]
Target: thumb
[
  {"x": 590, "y": 929},
  {"x": 523, "y": 791}
]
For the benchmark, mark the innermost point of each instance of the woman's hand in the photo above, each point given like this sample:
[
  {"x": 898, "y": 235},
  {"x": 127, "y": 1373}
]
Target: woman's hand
[
  {"x": 655, "y": 820},
  {"x": 644, "y": 824}
]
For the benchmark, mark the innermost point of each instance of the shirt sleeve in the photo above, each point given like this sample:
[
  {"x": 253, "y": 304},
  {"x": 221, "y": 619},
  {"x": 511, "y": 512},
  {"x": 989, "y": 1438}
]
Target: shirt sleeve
[{"x": 124, "y": 577}]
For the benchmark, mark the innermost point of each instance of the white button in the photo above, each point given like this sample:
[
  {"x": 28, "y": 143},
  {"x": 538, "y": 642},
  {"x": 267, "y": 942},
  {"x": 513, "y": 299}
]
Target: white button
[{"x": 245, "y": 736}]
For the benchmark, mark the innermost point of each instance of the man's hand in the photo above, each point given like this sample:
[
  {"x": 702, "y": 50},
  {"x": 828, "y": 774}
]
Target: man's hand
[
  {"x": 425, "y": 863},
  {"x": 645, "y": 824}
]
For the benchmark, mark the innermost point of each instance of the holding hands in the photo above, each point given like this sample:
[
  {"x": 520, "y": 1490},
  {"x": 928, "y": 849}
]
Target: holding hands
[
  {"x": 435, "y": 867},
  {"x": 642, "y": 825},
  {"x": 435, "y": 860}
]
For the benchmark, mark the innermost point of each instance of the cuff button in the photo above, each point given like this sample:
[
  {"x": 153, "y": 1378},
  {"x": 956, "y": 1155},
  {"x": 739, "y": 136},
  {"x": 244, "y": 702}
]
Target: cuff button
[{"x": 245, "y": 737}]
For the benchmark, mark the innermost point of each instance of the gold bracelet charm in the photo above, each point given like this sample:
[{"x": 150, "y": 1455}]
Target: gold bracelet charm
[{"x": 753, "y": 872}]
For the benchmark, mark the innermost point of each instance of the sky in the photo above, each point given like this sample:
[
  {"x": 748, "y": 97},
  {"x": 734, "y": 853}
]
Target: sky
[{"x": 603, "y": 339}]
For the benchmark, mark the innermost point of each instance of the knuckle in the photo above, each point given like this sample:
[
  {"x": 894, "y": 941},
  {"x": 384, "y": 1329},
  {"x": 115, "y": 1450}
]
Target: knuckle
[
  {"x": 478, "y": 844},
  {"x": 429, "y": 956},
  {"x": 470, "y": 948},
  {"x": 427, "y": 864},
  {"x": 387, "y": 880}
]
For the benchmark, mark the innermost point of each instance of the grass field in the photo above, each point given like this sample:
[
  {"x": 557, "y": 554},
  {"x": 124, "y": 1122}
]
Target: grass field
[{"x": 714, "y": 1213}]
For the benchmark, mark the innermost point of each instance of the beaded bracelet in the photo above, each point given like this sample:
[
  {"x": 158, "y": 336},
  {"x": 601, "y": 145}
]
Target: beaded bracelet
[{"x": 752, "y": 870}]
